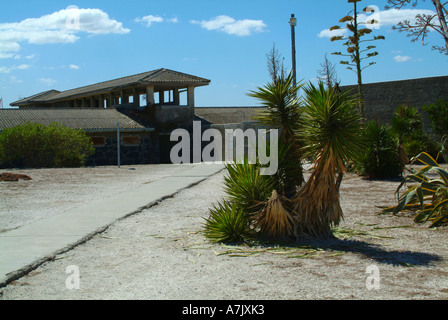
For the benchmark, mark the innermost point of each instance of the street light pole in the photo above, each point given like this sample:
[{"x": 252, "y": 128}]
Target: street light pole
[{"x": 293, "y": 23}]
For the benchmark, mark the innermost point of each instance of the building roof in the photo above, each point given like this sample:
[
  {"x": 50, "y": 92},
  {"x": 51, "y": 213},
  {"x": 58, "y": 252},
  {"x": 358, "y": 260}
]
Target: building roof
[
  {"x": 79, "y": 118},
  {"x": 37, "y": 98},
  {"x": 156, "y": 77},
  {"x": 227, "y": 115}
]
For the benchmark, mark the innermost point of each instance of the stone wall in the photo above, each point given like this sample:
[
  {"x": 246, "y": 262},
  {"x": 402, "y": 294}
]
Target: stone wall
[
  {"x": 146, "y": 152},
  {"x": 383, "y": 98}
]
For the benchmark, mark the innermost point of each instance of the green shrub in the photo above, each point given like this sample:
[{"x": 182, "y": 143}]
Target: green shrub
[
  {"x": 226, "y": 223},
  {"x": 34, "y": 145},
  {"x": 380, "y": 158},
  {"x": 438, "y": 114},
  {"x": 419, "y": 143}
]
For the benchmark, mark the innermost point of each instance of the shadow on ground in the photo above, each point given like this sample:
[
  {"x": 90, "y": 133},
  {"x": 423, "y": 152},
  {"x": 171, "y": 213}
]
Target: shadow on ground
[{"x": 376, "y": 252}]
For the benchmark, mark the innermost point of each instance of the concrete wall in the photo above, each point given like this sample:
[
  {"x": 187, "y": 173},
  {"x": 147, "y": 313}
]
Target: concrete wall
[
  {"x": 233, "y": 126},
  {"x": 170, "y": 117},
  {"x": 383, "y": 98}
]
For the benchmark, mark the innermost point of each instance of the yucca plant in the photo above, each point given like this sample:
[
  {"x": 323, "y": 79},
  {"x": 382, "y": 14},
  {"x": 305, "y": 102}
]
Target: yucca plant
[
  {"x": 226, "y": 223},
  {"x": 283, "y": 111},
  {"x": 261, "y": 197},
  {"x": 246, "y": 187},
  {"x": 331, "y": 127},
  {"x": 426, "y": 196}
]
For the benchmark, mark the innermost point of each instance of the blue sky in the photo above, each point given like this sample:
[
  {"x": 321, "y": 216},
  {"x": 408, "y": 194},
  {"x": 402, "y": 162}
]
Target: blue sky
[{"x": 224, "y": 41}]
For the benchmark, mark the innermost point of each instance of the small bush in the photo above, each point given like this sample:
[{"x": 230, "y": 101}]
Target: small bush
[
  {"x": 380, "y": 158},
  {"x": 419, "y": 143},
  {"x": 34, "y": 145},
  {"x": 438, "y": 114},
  {"x": 226, "y": 223}
]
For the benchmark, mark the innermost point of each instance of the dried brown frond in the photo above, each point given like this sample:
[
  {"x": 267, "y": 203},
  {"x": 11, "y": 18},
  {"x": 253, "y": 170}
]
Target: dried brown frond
[{"x": 276, "y": 220}]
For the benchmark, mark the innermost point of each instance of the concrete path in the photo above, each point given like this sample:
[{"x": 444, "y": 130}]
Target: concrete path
[{"x": 25, "y": 248}]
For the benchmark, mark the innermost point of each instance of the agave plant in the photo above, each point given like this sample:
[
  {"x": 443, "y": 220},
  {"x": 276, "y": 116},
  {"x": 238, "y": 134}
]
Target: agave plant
[
  {"x": 427, "y": 197},
  {"x": 332, "y": 129},
  {"x": 226, "y": 223}
]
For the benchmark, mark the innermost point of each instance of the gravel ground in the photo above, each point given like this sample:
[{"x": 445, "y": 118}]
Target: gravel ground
[{"x": 160, "y": 254}]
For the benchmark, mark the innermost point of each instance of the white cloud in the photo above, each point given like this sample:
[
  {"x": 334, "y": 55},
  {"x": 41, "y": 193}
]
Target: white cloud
[
  {"x": 399, "y": 58},
  {"x": 74, "y": 67},
  {"x": 329, "y": 34},
  {"x": 58, "y": 27},
  {"x": 9, "y": 56},
  {"x": 23, "y": 66},
  {"x": 47, "y": 81},
  {"x": 231, "y": 26},
  {"x": 173, "y": 20},
  {"x": 20, "y": 67},
  {"x": 393, "y": 16},
  {"x": 385, "y": 18},
  {"x": 149, "y": 20},
  {"x": 14, "y": 79}
]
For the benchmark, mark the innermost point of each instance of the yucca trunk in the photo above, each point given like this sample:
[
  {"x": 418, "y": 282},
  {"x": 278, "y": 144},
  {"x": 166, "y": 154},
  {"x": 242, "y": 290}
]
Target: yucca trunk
[{"x": 317, "y": 203}]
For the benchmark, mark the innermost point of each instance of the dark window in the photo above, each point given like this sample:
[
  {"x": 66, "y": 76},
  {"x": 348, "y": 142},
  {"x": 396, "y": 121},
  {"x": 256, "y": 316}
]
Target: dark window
[
  {"x": 130, "y": 140},
  {"x": 99, "y": 141}
]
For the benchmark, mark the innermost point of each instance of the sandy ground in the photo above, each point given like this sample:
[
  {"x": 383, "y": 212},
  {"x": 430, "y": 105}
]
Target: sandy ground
[{"x": 160, "y": 253}]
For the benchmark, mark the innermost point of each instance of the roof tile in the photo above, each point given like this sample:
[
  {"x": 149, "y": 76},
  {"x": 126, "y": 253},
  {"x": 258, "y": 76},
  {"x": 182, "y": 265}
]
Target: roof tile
[{"x": 82, "y": 118}]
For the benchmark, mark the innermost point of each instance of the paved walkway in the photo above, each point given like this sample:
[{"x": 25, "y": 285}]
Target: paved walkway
[{"x": 25, "y": 248}]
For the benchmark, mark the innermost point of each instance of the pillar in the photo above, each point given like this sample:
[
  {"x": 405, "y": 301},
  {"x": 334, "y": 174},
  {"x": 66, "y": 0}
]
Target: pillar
[
  {"x": 150, "y": 95},
  {"x": 190, "y": 94},
  {"x": 124, "y": 97},
  {"x": 176, "y": 98},
  {"x": 136, "y": 98},
  {"x": 161, "y": 97}
]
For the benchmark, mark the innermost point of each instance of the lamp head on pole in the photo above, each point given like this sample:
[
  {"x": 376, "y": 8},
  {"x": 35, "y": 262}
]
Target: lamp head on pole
[{"x": 293, "y": 21}]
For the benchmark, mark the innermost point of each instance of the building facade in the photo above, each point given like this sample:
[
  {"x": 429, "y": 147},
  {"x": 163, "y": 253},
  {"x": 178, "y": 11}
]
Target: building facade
[{"x": 137, "y": 111}]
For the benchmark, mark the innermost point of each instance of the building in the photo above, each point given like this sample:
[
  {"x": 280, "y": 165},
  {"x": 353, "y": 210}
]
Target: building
[{"x": 145, "y": 108}]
